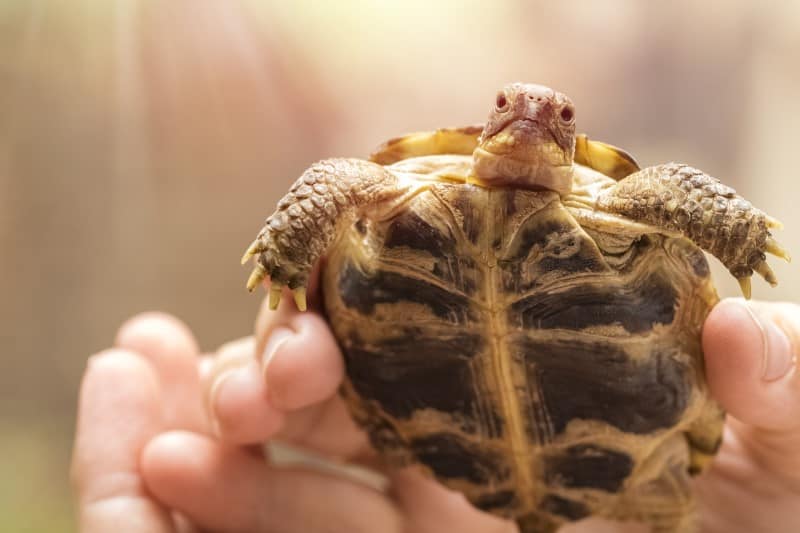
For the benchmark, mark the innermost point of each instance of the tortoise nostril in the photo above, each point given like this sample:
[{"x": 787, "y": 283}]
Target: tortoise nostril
[{"x": 501, "y": 101}]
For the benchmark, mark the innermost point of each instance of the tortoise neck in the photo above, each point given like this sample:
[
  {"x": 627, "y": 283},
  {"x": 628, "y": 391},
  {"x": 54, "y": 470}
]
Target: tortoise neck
[{"x": 493, "y": 170}]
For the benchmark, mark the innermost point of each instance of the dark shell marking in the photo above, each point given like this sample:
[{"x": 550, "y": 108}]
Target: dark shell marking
[
  {"x": 487, "y": 329},
  {"x": 452, "y": 458},
  {"x": 588, "y": 467},
  {"x": 602, "y": 370},
  {"x": 559, "y": 506},
  {"x": 637, "y": 308},
  {"x": 402, "y": 378}
]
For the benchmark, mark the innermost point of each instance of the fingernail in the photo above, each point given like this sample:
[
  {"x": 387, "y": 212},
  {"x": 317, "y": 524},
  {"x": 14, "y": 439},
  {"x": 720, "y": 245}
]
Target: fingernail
[
  {"x": 278, "y": 337},
  {"x": 778, "y": 358}
]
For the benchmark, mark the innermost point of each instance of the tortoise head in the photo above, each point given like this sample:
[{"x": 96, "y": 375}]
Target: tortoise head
[{"x": 529, "y": 140}]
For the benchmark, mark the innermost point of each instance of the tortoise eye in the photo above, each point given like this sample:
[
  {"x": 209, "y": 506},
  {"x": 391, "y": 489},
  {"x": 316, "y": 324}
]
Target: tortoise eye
[
  {"x": 502, "y": 102},
  {"x": 567, "y": 114}
]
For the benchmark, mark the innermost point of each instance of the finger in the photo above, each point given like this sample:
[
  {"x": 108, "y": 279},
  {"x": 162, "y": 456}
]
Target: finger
[
  {"x": 303, "y": 372},
  {"x": 118, "y": 413},
  {"x": 328, "y": 429},
  {"x": 172, "y": 350},
  {"x": 751, "y": 360},
  {"x": 227, "y": 489},
  {"x": 244, "y": 414},
  {"x": 236, "y": 397},
  {"x": 301, "y": 361}
]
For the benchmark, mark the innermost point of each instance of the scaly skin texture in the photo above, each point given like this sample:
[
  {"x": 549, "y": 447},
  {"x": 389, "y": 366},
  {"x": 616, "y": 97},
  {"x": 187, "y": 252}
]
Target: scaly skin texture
[
  {"x": 685, "y": 200},
  {"x": 328, "y": 196}
]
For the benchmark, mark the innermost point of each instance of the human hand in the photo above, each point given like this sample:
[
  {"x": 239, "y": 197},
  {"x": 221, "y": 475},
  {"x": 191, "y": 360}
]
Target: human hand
[
  {"x": 227, "y": 486},
  {"x": 148, "y": 383},
  {"x": 753, "y": 484},
  {"x": 146, "y": 460}
]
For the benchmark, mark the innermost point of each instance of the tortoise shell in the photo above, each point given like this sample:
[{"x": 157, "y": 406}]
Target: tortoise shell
[
  {"x": 542, "y": 361},
  {"x": 520, "y": 309}
]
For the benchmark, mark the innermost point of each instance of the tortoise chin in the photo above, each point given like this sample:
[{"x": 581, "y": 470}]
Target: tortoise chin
[
  {"x": 524, "y": 153},
  {"x": 542, "y": 165},
  {"x": 521, "y": 135}
]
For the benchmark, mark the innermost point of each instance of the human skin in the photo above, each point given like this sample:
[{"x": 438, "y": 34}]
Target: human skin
[{"x": 169, "y": 440}]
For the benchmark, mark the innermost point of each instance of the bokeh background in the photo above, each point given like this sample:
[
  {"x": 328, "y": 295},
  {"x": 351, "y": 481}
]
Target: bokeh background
[{"x": 142, "y": 143}]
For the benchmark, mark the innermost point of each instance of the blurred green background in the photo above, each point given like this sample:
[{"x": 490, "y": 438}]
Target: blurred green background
[{"x": 143, "y": 143}]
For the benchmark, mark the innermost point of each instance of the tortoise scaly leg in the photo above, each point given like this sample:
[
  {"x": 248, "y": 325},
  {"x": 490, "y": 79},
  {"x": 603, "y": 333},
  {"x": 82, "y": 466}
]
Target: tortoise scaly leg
[
  {"x": 681, "y": 199},
  {"x": 327, "y": 197}
]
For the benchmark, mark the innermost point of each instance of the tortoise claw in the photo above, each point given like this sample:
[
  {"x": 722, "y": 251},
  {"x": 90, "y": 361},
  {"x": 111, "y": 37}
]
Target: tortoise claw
[
  {"x": 252, "y": 250},
  {"x": 773, "y": 223},
  {"x": 275, "y": 291},
  {"x": 766, "y": 272},
  {"x": 746, "y": 287},
  {"x": 775, "y": 248},
  {"x": 300, "y": 298},
  {"x": 256, "y": 277}
]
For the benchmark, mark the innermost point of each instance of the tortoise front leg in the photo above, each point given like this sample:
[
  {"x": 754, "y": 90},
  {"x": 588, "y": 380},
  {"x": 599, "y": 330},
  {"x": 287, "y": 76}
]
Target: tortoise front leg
[
  {"x": 329, "y": 196},
  {"x": 684, "y": 200}
]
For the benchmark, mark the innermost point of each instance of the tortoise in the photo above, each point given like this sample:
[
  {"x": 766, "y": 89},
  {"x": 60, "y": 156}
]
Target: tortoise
[{"x": 520, "y": 309}]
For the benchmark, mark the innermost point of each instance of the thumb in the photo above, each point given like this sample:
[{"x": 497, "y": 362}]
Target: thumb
[{"x": 751, "y": 360}]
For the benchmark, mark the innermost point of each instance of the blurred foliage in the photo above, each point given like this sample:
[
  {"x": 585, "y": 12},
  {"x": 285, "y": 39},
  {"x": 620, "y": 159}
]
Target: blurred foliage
[{"x": 142, "y": 144}]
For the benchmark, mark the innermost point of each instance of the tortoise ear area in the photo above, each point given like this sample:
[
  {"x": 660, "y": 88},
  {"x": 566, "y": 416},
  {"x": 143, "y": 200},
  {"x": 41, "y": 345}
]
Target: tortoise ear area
[{"x": 614, "y": 162}]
